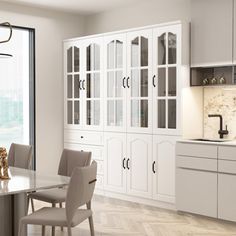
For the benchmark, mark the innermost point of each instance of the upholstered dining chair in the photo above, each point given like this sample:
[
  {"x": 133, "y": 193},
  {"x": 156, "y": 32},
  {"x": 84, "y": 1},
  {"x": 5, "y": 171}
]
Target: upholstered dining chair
[
  {"x": 20, "y": 156},
  {"x": 79, "y": 193},
  {"x": 69, "y": 160}
]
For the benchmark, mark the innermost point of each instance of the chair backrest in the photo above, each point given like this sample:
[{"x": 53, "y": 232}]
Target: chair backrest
[
  {"x": 71, "y": 159},
  {"x": 20, "y": 156},
  {"x": 81, "y": 188}
]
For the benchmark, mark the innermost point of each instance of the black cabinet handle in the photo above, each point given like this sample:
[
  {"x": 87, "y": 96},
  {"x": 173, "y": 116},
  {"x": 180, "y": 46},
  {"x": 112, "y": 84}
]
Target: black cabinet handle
[
  {"x": 79, "y": 84},
  {"x": 153, "y": 81},
  {"x": 127, "y": 82},
  {"x": 127, "y": 164},
  {"x": 123, "y": 82},
  {"x": 153, "y": 167},
  {"x": 123, "y": 163},
  {"x": 83, "y": 84},
  {"x": 81, "y": 136}
]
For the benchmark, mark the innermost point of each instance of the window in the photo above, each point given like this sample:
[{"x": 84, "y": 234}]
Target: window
[{"x": 17, "y": 88}]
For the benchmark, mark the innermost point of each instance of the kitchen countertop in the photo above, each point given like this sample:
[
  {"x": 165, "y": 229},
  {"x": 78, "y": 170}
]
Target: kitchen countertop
[{"x": 226, "y": 143}]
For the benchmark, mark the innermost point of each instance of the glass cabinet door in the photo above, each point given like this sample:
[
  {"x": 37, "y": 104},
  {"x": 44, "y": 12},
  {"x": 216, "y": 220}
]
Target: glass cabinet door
[
  {"x": 92, "y": 85},
  {"x": 165, "y": 79},
  {"x": 73, "y": 85},
  {"x": 138, "y": 82},
  {"x": 115, "y": 104}
]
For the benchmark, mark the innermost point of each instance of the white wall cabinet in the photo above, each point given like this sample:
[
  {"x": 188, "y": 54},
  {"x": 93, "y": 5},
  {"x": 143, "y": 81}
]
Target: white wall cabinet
[
  {"x": 211, "y": 36},
  {"x": 123, "y": 96},
  {"x": 163, "y": 168}
]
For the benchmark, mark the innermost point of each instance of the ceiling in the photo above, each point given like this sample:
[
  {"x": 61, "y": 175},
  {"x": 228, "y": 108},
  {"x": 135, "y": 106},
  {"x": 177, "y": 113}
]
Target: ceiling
[{"x": 77, "y": 6}]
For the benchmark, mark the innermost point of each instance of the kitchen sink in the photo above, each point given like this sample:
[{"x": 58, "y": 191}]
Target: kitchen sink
[{"x": 210, "y": 140}]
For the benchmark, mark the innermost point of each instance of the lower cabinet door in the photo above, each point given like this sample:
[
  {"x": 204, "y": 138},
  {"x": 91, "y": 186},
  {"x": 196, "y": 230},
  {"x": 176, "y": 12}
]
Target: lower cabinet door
[
  {"x": 164, "y": 168},
  {"x": 227, "y": 197},
  {"x": 139, "y": 165},
  {"x": 115, "y": 162},
  {"x": 196, "y": 191}
]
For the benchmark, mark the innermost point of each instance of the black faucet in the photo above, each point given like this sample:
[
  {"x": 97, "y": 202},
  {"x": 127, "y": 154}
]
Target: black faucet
[{"x": 221, "y": 132}]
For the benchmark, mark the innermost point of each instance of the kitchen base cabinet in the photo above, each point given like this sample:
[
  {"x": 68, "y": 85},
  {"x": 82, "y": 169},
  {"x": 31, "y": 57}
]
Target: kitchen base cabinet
[
  {"x": 163, "y": 168},
  {"x": 227, "y": 197},
  {"x": 196, "y": 192}
]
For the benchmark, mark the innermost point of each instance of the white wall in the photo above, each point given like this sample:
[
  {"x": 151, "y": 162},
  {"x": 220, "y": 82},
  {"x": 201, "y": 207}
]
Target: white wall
[
  {"x": 145, "y": 13},
  {"x": 51, "y": 28}
]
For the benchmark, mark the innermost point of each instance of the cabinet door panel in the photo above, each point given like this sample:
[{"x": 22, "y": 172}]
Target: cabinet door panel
[
  {"x": 227, "y": 197},
  {"x": 115, "y": 157},
  {"x": 72, "y": 82},
  {"x": 166, "y": 84},
  {"x": 139, "y": 164},
  {"x": 115, "y": 83},
  {"x": 92, "y": 83},
  {"x": 139, "y": 90},
  {"x": 196, "y": 192},
  {"x": 164, "y": 168},
  {"x": 211, "y": 36}
]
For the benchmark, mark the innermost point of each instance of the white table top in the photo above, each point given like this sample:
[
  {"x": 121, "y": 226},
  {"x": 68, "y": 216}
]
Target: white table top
[{"x": 23, "y": 180}]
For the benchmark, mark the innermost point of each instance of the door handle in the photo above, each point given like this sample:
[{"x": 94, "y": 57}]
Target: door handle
[
  {"x": 127, "y": 82},
  {"x": 83, "y": 84},
  {"x": 153, "y": 81},
  {"x": 123, "y": 163},
  {"x": 127, "y": 164},
  {"x": 153, "y": 167},
  {"x": 123, "y": 82}
]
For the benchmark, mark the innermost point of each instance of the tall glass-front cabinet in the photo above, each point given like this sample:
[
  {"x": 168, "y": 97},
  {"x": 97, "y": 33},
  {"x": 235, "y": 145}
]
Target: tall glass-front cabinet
[{"x": 83, "y": 84}]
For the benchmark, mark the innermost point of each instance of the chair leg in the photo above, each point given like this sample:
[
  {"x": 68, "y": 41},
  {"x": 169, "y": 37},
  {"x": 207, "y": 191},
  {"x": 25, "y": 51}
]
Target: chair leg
[
  {"x": 61, "y": 207},
  {"x": 43, "y": 230},
  {"x": 53, "y": 227},
  {"x": 91, "y": 225},
  {"x": 28, "y": 200},
  {"x": 32, "y": 204},
  {"x": 69, "y": 231}
]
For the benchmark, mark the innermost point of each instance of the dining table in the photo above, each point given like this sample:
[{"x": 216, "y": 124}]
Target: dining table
[{"x": 13, "y": 195}]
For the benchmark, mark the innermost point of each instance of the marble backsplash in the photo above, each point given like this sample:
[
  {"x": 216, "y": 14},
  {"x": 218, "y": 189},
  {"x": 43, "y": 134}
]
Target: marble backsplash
[{"x": 219, "y": 101}]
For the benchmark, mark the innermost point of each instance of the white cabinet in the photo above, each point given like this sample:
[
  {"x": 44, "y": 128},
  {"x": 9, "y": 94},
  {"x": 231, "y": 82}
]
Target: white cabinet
[
  {"x": 139, "y": 73},
  {"x": 83, "y": 84},
  {"x": 115, "y": 162},
  {"x": 166, "y": 80},
  {"x": 234, "y": 43},
  {"x": 122, "y": 93},
  {"x": 211, "y": 32},
  {"x": 163, "y": 168},
  {"x": 139, "y": 162}
]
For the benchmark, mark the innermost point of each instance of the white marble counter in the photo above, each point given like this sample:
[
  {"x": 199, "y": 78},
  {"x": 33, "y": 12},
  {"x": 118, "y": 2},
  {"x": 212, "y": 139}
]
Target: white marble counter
[
  {"x": 27, "y": 180},
  {"x": 225, "y": 143}
]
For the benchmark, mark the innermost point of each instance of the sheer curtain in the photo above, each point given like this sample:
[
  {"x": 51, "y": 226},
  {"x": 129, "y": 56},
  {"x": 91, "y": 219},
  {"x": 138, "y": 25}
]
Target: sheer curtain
[{"x": 14, "y": 88}]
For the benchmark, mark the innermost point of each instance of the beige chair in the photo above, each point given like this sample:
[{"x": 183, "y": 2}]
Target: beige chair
[
  {"x": 69, "y": 160},
  {"x": 20, "y": 156},
  {"x": 80, "y": 192}
]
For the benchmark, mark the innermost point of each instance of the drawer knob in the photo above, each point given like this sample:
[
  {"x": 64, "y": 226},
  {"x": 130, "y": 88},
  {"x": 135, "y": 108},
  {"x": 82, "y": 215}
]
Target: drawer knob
[{"x": 81, "y": 136}]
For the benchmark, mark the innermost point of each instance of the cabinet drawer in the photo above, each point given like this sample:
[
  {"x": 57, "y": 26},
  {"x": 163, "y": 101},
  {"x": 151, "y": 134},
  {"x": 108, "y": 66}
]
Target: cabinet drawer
[
  {"x": 227, "y": 153},
  {"x": 227, "y": 167},
  {"x": 196, "y": 163},
  {"x": 83, "y": 137},
  {"x": 97, "y": 152},
  {"x": 196, "y": 192},
  {"x": 196, "y": 150}
]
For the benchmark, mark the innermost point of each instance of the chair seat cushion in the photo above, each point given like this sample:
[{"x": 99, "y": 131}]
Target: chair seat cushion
[
  {"x": 55, "y": 217},
  {"x": 56, "y": 195}
]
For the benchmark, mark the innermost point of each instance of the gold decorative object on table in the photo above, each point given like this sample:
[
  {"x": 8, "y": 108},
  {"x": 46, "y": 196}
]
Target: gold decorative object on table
[{"x": 3, "y": 164}]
